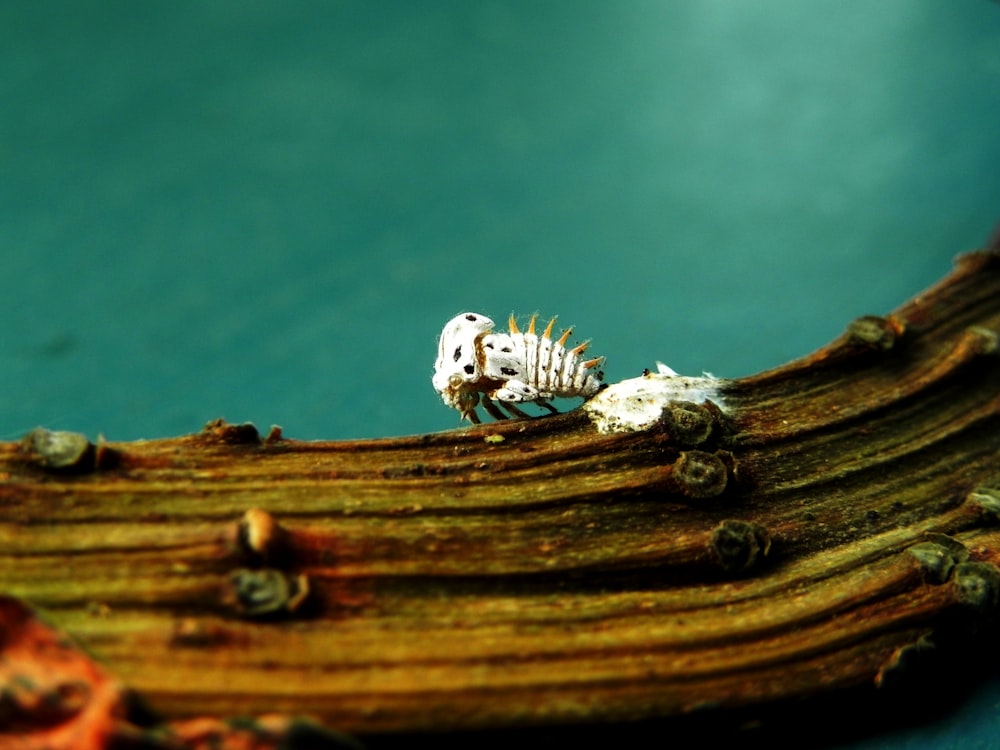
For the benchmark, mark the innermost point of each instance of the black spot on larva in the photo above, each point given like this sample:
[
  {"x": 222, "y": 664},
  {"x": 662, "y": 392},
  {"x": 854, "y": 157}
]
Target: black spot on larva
[
  {"x": 469, "y": 369},
  {"x": 471, "y": 318},
  {"x": 506, "y": 350},
  {"x": 458, "y": 353},
  {"x": 489, "y": 346},
  {"x": 508, "y": 371}
]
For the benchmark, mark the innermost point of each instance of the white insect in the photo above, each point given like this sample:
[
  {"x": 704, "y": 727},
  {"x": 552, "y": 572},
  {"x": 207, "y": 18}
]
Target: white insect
[{"x": 476, "y": 364}]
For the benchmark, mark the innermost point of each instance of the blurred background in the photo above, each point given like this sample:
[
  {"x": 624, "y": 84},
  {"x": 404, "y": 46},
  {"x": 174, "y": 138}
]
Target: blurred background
[{"x": 266, "y": 211}]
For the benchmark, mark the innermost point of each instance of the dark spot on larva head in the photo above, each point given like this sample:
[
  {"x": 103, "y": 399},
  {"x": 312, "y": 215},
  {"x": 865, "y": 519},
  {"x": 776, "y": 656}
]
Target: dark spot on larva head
[
  {"x": 508, "y": 371},
  {"x": 469, "y": 369},
  {"x": 458, "y": 353},
  {"x": 472, "y": 318},
  {"x": 489, "y": 346},
  {"x": 506, "y": 350}
]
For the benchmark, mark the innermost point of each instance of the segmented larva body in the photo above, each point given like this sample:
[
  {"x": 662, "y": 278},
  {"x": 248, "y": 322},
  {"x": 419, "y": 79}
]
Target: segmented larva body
[{"x": 475, "y": 365}]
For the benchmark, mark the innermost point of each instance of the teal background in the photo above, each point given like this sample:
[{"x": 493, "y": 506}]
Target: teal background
[{"x": 266, "y": 211}]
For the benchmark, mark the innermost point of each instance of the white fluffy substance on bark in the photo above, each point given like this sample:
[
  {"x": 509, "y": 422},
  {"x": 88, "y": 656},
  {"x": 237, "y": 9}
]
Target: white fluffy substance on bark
[{"x": 638, "y": 403}]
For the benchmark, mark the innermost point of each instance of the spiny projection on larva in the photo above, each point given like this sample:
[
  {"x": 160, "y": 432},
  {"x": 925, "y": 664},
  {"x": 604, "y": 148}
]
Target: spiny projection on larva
[{"x": 476, "y": 365}]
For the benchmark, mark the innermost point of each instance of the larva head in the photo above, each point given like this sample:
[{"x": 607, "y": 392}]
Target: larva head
[{"x": 457, "y": 363}]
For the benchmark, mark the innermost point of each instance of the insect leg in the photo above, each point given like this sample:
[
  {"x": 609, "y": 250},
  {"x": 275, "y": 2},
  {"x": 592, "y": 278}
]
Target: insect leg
[
  {"x": 491, "y": 409},
  {"x": 520, "y": 414},
  {"x": 545, "y": 404},
  {"x": 466, "y": 402},
  {"x": 516, "y": 390}
]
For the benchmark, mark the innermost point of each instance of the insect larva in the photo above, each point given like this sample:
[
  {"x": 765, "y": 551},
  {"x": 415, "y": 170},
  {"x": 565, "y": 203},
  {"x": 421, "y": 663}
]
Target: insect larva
[{"x": 475, "y": 365}]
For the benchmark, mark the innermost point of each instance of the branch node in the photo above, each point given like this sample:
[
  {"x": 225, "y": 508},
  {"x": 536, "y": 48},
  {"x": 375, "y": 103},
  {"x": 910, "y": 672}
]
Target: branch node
[
  {"x": 977, "y": 584},
  {"x": 738, "y": 546}
]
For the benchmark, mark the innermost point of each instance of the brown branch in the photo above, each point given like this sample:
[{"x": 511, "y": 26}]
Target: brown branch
[{"x": 808, "y": 531}]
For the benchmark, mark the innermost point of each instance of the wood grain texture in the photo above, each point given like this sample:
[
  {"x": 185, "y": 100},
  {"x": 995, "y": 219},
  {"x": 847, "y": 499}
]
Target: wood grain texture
[{"x": 831, "y": 518}]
